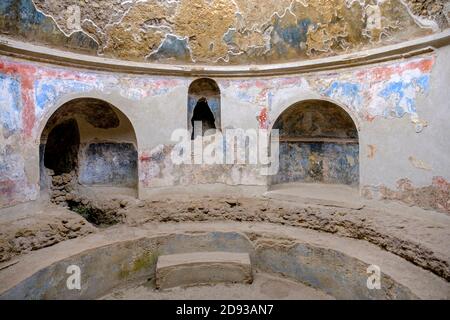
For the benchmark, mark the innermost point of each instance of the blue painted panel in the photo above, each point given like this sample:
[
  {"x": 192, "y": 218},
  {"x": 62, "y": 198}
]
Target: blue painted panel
[
  {"x": 109, "y": 164},
  {"x": 10, "y": 105}
]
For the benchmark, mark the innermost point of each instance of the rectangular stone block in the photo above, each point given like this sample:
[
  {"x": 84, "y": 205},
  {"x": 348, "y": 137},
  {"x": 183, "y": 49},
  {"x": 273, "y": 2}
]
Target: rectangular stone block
[{"x": 201, "y": 268}]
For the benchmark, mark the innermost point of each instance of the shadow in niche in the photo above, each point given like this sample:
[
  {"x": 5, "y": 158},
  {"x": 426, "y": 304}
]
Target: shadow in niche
[
  {"x": 203, "y": 114},
  {"x": 203, "y": 106},
  {"x": 88, "y": 155},
  {"x": 92, "y": 141},
  {"x": 61, "y": 149}
]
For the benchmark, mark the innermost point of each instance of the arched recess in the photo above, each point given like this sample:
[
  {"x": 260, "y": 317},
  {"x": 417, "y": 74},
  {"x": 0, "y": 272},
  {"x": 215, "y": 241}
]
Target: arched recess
[
  {"x": 204, "y": 105},
  {"x": 91, "y": 142},
  {"x": 319, "y": 142}
]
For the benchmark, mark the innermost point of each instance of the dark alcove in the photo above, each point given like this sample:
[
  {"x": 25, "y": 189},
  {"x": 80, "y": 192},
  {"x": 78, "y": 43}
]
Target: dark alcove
[{"x": 61, "y": 150}]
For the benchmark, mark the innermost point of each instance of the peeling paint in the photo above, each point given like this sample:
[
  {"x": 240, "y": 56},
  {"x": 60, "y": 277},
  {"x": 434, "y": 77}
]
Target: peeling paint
[
  {"x": 21, "y": 19},
  {"x": 372, "y": 149},
  {"x": 419, "y": 164},
  {"x": 30, "y": 91},
  {"x": 219, "y": 31},
  {"x": 434, "y": 196},
  {"x": 388, "y": 91}
]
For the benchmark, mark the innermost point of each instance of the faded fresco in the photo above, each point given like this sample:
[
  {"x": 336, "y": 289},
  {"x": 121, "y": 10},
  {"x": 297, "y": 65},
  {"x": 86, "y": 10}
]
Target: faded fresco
[
  {"x": 220, "y": 31},
  {"x": 29, "y": 92},
  {"x": 387, "y": 90},
  {"x": 109, "y": 164},
  {"x": 21, "y": 19},
  {"x": 95, "y": 160},
  {"x": 322, "y": 162},
  {"x": 319, "y": 143},
  {"x": 434, "y": 196}
]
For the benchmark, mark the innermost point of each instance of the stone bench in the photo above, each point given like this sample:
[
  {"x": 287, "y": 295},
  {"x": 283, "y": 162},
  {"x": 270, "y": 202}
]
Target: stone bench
[{"x": 200, "y": 268}]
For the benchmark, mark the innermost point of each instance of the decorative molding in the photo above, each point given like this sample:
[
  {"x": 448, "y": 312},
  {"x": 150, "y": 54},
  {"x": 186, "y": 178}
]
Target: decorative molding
[{"x": 22, "y": 50}]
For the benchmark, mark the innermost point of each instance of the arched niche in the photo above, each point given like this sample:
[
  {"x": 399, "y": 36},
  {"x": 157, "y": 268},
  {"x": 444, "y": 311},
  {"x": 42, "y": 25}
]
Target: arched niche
[
  {"x": 204, "y": 104},
  {"x": 319, "y": 142},
  {"x": 91, "y": 140}
]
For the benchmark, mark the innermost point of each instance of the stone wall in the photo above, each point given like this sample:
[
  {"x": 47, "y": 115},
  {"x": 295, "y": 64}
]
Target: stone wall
[{"x": 134, "y": 261}]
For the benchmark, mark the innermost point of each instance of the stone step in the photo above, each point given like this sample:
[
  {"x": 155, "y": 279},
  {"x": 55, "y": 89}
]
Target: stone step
[{"x": 200, "y": 268}]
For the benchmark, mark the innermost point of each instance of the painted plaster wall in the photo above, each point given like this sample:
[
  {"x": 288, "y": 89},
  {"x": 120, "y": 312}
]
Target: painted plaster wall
[
  {"x": 419, "y": 169},
  {"x": 399, "y": 108},
  {"x": 318, "y": 162},
  {"x": 220, "y": 31},
  {"x": 319, "y": 143},
  {"x": 106, "y": 153},
  {"x": 108, "y": 157},
  {"x": 108, "y": 163}
]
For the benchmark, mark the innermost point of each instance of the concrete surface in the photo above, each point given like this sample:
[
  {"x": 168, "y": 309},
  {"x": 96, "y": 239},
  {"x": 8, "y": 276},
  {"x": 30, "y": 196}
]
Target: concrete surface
[
  {"x": 317, "y": 193},
  {"x": 417, "y": 235},
  {"x": 264, "y": 287}
]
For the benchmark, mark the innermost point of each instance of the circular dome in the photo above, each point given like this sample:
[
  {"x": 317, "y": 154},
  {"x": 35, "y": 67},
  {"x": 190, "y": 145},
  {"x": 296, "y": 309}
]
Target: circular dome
[{"x": 216, "y": 32}]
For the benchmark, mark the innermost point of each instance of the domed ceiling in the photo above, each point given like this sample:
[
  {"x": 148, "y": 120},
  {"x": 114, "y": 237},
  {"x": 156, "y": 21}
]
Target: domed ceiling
[{"x": 220, "y": 31}]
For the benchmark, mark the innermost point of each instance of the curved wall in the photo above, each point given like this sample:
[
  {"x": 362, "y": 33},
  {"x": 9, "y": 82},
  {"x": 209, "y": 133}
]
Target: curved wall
[
  {"x": 399, "y": 107},
  {"x": 134, "y": 261}
]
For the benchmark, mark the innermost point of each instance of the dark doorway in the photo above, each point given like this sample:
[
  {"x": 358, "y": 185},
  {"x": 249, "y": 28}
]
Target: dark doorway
[
  {"x": 203, "y": 114},
  {"x": 203, "y": 105},
  {"x": 61, "y": 149}
]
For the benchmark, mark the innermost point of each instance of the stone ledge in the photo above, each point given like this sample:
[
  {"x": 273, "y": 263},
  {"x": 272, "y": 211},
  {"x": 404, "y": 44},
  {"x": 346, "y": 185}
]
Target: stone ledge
[{"x": 322, "y": 194}]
